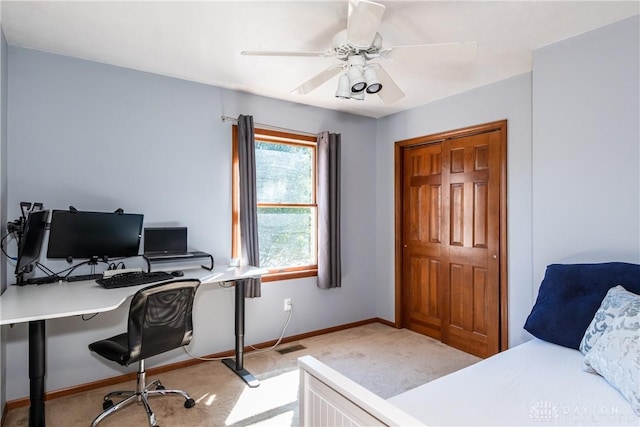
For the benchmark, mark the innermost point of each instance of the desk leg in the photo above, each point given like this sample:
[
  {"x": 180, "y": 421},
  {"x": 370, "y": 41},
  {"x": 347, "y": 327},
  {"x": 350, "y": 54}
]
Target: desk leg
[
  {"x": 237, "y": 364},
  {"x": 37, "y": 356}
]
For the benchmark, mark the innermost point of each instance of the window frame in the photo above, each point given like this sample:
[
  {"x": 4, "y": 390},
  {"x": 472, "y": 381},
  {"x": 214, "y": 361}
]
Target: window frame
[{"x": 274, "y": 136}]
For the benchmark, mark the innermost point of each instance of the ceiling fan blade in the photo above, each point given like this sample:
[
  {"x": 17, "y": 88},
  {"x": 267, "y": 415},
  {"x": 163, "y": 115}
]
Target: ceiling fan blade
[
  {"x": 317, "y": 80},
  {"x": 284, "y": 53},
  {"x": 440, "y": 52},
  {"x": 390, "y": 92},
  {"x": 363, "y": 22}
]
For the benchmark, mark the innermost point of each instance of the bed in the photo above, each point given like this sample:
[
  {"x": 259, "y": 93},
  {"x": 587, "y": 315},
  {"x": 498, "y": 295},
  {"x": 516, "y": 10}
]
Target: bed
[{"x": 557, "y": 378}]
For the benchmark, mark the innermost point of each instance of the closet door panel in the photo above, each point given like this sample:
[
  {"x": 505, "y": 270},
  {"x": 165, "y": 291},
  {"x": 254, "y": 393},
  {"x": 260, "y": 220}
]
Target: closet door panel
[
  {"x": 471, "y": 191},
  {"x": 422, "y": 239}
]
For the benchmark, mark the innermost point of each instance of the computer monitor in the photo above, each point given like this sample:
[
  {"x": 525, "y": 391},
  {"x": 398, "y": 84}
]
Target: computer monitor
[
  {"x": 101, "y": 235},
  {"x": 31, "y": 242}
]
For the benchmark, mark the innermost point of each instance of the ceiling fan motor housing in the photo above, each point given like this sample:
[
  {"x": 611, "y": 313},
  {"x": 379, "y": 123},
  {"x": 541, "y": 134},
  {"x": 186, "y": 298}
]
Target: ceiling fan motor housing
[{"x": 343, "y": 50}]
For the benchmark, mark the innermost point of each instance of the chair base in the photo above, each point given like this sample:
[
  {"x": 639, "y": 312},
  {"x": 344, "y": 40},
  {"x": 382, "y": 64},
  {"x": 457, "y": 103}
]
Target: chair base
[{"x": 155, "y": 388}]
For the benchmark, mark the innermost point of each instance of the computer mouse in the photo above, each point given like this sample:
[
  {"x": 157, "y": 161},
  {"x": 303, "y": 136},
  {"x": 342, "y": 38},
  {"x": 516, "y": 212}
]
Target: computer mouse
[{"x": 177, "y": 273}]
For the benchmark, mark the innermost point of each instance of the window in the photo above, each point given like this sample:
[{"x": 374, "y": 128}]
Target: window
[{"x": 287, "y": 209}]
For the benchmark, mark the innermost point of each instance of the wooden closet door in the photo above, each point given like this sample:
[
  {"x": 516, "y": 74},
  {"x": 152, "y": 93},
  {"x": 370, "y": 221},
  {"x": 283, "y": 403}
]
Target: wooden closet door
[
  {"x": 422, "y": 240},
  {"x": 451, "y": 248},
  {"x": 470, "y": 270}
]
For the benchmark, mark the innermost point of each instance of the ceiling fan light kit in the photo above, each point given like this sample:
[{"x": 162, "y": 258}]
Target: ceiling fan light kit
[
  {"x": 358, "y": 79},
  {"x": 343, "y": 87},
  {"x": 373, "y": 84},
  {"x": 356, "y": 73},
  {"x": 359, "y": 47}
]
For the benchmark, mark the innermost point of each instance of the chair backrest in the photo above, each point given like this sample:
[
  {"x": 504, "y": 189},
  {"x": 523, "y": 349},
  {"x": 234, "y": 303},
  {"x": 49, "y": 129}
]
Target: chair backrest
[{"x": 160, "y": 318}]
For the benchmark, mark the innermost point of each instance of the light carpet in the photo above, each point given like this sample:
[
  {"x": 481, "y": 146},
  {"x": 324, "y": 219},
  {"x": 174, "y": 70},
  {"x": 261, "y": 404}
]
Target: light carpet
[{"x": 383, "y": 359}]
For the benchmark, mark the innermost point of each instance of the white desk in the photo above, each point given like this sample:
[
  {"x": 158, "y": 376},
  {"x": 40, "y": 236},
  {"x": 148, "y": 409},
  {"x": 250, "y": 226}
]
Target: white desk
[{"x": 37, "y": 303}]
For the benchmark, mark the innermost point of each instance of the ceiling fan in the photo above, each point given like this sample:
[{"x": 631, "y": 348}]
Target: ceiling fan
[{"x": 359, "y": 48}]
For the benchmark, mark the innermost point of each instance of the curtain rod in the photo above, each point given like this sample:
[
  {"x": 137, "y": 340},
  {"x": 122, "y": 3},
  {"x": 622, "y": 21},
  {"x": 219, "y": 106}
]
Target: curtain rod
[{"x": 268, "y": 127}]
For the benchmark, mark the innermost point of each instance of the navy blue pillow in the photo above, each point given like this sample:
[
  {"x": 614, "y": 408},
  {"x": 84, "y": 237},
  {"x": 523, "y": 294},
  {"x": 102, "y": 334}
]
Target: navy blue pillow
[{"x": 570, "y": 295}]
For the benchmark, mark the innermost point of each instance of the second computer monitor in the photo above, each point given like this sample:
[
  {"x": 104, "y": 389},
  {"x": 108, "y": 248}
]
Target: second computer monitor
[{"x": 165, "y": 240}]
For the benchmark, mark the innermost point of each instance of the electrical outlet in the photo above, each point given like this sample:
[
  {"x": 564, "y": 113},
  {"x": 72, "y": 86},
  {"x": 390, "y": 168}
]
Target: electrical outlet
[{"x": 287, "y": 304}]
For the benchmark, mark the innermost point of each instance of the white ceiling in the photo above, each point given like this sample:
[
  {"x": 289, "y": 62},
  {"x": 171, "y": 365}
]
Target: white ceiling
[{"x": 201, "y": 41}]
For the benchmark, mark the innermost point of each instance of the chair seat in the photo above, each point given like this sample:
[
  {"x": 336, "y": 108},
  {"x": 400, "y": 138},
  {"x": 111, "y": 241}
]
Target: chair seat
[{"x": 115, "y": 348}]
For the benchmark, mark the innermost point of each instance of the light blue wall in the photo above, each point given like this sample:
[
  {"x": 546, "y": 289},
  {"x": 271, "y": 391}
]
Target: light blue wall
[
  {"x": 101, "y": 137},
  {"x": 3, "y": 198},
  {"x": 508, "y": 99},
  {"x": 586, "y": 148}
]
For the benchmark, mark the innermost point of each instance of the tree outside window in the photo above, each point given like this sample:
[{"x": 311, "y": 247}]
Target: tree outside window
[{"x": 287, "y": 210}]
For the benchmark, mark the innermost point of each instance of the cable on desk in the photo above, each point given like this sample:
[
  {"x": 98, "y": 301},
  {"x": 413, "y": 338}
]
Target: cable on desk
[
  {"x": 117, "y": 262},
  {"x": 256, "y": 350},
  {"x": 63, "y": 274},
  {"x": 2, "y": 247},
  {"x": 115, "y": 266},
  {"x": 46, "y": 270},
  {"x": 73, "y": 268},
  {"x": 69, "y": 270}
]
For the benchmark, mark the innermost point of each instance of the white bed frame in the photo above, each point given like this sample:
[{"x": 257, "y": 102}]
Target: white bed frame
[
  {"x": 328, "y": 398},
  {"x": 529, "y": 385},
  {"x": 532, "y": 384}
]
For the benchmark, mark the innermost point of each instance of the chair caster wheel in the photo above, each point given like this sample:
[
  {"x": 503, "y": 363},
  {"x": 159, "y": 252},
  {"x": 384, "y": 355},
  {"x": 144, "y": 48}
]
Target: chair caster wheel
[
  {"x": 107, "y": 404},
  {"x": 160, "y": 387},
  {"x": 189, "y": 403}
]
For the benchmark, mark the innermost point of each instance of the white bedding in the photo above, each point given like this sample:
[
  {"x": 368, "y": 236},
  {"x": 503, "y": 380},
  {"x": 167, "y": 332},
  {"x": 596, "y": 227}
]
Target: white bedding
[{"x": 536, "y": 384}]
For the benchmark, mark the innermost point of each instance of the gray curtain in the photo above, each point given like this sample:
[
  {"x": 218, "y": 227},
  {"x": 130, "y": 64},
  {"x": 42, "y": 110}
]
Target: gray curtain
[
  {"x": 248, "y": 202},
  {"x": 328, "y": 194}
]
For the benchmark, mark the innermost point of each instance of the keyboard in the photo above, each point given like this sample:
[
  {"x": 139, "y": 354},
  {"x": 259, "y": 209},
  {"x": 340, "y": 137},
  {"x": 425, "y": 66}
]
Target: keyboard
[{"x": 133, "y": 279}]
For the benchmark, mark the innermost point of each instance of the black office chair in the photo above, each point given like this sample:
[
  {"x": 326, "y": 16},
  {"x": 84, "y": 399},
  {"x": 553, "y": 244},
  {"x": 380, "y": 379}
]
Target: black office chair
[{"x": 159, "y": 320}]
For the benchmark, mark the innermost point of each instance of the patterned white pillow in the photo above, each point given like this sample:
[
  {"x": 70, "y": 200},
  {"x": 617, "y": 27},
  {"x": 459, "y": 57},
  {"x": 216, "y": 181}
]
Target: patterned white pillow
[
  {"x": 612, "y": 305},
  {"x": 616, "y": 354}
]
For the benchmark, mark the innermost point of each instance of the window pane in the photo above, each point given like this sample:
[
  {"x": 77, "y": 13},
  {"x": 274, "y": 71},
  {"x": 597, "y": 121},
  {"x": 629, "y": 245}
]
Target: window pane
[
  {"x": 286, "y": 237},
  {"x": 284, "y": 173}
]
